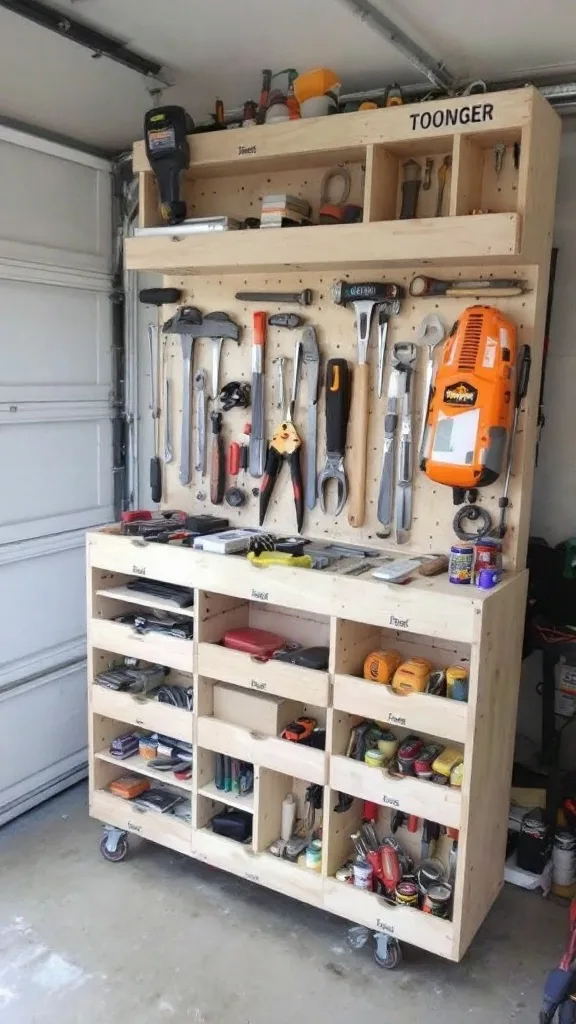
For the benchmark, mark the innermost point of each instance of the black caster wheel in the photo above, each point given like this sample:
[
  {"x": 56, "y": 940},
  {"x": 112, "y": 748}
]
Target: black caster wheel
[
  {"x": 391, "y": 958},
  {"x": 116, "y": 855}
]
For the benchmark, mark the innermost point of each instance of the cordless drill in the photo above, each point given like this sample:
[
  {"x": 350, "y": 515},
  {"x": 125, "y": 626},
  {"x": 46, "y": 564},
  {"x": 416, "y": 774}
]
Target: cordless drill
[{"x": 167, "y": 149}]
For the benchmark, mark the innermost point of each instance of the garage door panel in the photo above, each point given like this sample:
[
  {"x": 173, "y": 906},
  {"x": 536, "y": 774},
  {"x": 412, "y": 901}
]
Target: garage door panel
[
  {"x": 61, "y": 458},
  {"x": 43, "y": 621},
  {"x": 60, "y": 341},
  {"x": 56, "y": 742},
  {"x": 67, "y": 204}
]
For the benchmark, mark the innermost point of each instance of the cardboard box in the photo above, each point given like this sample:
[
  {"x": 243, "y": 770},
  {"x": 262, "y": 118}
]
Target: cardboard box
[{"x": 259, "y": 712}]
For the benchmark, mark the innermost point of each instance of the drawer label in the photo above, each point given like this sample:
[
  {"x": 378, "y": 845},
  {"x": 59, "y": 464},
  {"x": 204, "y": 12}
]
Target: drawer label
[
  {"x": 383, "y": 926},
  {"x": 138, "y": 721},
  {"x": 251, "y": 877},
  {"x": 389, "y": 801},
  {"x": 246, "y": 150},
  {"x": 256, "y": 685},
  {"x": 260, "y": 595},
  {"x": 399, "y": 623},
  {"x": 396, "y": 719},
  {"x": 132, "y": 827},
  {"x": 138, "y": 571},
  {"x": 199, "y": 855}
]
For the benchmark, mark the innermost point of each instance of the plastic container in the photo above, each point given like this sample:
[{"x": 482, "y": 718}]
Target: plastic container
[
  {"x": 314, "y": 855},
  {"x": 316, "y": 82}
]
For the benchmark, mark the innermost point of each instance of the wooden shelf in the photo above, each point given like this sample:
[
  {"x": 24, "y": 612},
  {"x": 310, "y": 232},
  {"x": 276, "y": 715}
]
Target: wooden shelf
[
  {"x": 419, "y": 712},
  {"x": 277, "y": 677},
  {"x": 414, "y": 796},
  {"x": 120, "y": 638},
  {"x": 161, "y": 604},
  {"x": 140, "y": 765},
  {"x": 146, "y": 714},
  {"x": 242, "y": 802},
  {"x": 491, "y": 238},
  {"x": 159, "y": 828},
  {"x": 283, "y": 756}
]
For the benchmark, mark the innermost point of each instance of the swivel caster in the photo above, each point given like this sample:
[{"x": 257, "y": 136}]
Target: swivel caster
[
  {"x": 387, "y": 951},
  {"x": 114, "y": 844}
]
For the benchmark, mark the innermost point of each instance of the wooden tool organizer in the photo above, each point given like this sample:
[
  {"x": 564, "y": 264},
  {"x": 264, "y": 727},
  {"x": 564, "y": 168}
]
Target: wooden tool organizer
[
  {"x": 352, "y": 616},
  {"x": 229, "y": 173}
]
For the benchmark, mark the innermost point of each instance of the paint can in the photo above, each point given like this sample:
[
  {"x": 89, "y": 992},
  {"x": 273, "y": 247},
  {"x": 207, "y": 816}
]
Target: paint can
[
  {"x": 314, "y": 855},
  {"x": 461, "y": 563},
  {"x": 564, "y": 858},
  {"x": 437, "y": 900},
  {"x": 488, "y": 578},
  {"x": 374, "y": 758},
  {"x": 430, "y": 872},
  {"x": 457, "y": 683},
  {"x": 406, "y": 894},
  {"x": 362, "y": 874}
]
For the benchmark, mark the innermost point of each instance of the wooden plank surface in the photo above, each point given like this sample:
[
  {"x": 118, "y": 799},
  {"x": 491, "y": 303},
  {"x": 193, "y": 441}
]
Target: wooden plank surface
[
  {"x": 164, "y": 829},
  {"x": 414, "y": 796},
  {"x": 146, "y": 714},
  {"x": 419, "y": 712},
  {"x": 123, "y": 639},
  {"x": 276, "y": 677},
  {"x": 435, "y": 241},
  {"x": 280, "y": 755}
]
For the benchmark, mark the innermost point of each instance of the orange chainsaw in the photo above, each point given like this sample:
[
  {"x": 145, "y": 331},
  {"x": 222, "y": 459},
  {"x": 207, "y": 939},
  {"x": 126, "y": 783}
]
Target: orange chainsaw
[{"x": 471, "y": 407}]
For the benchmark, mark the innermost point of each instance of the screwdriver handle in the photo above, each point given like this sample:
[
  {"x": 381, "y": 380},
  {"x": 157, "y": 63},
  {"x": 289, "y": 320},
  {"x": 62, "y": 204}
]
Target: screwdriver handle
[
  {"x": 156, "y": 480},
  {"x": 217, "y": 462},
  {"x": 337, "y": 404},
  {"x": 234, "y": 459},
  {"x": 523, "y": 378}
]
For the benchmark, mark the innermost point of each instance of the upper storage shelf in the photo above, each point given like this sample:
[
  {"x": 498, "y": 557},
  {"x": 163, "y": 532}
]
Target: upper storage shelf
[{"x": 490, "y": 209}]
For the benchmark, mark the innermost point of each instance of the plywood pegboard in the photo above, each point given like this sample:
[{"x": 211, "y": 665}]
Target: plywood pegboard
[{"x": 433, "y": 510}]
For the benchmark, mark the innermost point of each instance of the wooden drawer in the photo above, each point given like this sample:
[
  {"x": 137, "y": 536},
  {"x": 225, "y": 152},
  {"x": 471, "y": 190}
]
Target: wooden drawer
[
  {"x": 420, "y": 712},
  {"x": 160, "y": 828},
  {"x": 269, "y": 751},
  {"x": 134, "y": 557},
  {"x": 415, "y": 796},
  {"x": 302, "y": 684},
  {"x": 403, "y": 923},
  {"x": 147, "y": 714},
  {"x": 263, "y": 868},
  {"x": 122, "y": 639}
]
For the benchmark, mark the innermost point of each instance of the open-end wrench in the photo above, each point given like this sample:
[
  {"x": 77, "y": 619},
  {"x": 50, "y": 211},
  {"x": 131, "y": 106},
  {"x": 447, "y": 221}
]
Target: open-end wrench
[
  {"x": 430, "y": 334},
  {"x": 386, "y": 492},
  {"x": 200, "y": 444},
  {"x": 311, "y": 360},
  {"x": 168, "y": 449},
  {"x": 185, "y": 452},
  {"x": 385, "y": 311},
  {"x": 404, "y": 358}
]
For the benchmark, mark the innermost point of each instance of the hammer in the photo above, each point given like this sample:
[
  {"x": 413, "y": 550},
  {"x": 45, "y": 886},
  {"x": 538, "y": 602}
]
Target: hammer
[
  {"x": 363, "y": 297},
  {"x": 187, "y": 322}
]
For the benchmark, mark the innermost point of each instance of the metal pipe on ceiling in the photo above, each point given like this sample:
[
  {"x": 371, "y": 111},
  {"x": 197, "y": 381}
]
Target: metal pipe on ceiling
[
  {"x": 435, "y": 71},
  {"x": 99, "y": 44}
]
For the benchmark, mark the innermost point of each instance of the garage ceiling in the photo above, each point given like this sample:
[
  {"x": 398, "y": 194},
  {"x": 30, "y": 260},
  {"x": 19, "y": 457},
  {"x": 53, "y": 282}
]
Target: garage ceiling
[{"x": 217, "y": 47}]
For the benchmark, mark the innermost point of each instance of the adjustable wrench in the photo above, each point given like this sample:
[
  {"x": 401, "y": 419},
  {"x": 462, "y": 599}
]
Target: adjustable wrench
[
  {"x": 311, "y": 360},
  {"x": 200, "y": 448}
]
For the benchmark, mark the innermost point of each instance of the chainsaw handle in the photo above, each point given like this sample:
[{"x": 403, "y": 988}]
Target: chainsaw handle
[{"x": 523, "y": 378}]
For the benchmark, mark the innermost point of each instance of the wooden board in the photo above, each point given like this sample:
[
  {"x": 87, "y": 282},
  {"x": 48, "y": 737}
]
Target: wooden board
[{"x": 433, "y": 509}]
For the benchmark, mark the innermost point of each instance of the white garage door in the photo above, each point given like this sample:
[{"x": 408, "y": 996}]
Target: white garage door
[{"x": 55, "y": 451}]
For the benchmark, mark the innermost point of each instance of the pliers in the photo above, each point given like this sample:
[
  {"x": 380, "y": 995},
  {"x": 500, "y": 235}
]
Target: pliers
[
  {"x": 337, "y": 411},
  {"x": 285, "y": 447}
]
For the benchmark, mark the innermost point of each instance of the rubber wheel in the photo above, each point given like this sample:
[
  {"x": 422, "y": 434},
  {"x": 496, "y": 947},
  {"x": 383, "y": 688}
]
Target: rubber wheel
[
  {"x": 392, "y": 959},
  {"x": 120, "y": 853}
]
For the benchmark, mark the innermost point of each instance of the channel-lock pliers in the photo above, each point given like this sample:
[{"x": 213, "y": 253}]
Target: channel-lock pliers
[
  {"x": 337, "y": 411},
  {"x": 285, "y": 447}
]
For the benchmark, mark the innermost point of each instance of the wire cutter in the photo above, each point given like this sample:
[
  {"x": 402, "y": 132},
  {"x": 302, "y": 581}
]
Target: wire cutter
[
  {"x": 337, "y": 411},
  {"x": 285, "y": 447}
]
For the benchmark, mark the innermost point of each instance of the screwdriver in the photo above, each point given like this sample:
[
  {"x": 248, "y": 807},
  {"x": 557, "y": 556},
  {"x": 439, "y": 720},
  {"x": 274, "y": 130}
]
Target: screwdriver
[{"x": 522, "y": 381}]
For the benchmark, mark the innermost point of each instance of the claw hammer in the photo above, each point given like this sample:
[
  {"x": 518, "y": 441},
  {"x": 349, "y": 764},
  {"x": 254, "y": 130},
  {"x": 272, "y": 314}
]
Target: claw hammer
[{"x": 363, "y": 297}]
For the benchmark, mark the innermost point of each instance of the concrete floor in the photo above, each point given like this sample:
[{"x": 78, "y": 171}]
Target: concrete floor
[{"x": 161, "y": 938}]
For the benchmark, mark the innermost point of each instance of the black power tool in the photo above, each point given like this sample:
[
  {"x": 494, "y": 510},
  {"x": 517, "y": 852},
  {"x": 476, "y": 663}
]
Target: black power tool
[{"x": 165, "y": 136}]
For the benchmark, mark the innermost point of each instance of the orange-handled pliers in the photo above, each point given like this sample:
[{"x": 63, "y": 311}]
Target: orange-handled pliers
[{"x": 284, "y": 447}]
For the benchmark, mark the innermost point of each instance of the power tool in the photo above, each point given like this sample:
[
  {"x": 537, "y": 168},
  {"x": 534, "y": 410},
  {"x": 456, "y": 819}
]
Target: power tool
[
  {"x": 471, "y": 406},
  {"x": 165, "y": 136}
]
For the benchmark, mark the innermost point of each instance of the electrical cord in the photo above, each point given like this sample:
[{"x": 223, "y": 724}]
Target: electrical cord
[{"x": 472, "y": 513}]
